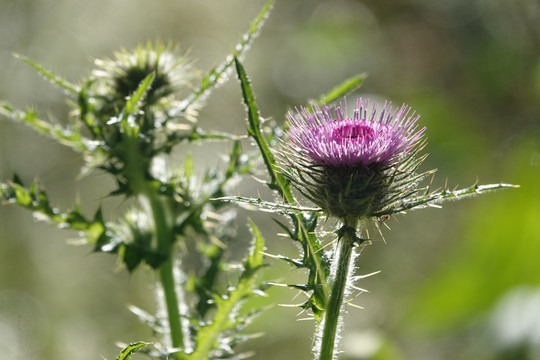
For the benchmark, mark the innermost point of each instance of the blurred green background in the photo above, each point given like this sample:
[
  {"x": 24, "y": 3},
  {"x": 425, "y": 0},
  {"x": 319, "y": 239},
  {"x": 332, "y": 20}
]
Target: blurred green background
[{"x": 461, "y": 282}]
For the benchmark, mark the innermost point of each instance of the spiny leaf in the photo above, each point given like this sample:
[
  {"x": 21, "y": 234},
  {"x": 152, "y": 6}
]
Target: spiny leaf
[
  {"x": 343, "y": 89},
  {"x": 278, "y": 181},
  {"x": 304, "y": 226},
  {"x": 129, "y": 350},
  {"x": 84, "y": 105},
  {"x": 439, "y": 197},
  {"x": 225, "y": 318},
  {"x": 219, "y": 73},
  {"x": 297, "y": 263},
  {"x": 268, "y": 205},
  {"x": 234, "y": 160},
  {"x": 149, "y": 320},
  {"x": 67, "y": 137},
  {"x": 35, "y": 199},
  {"x": 49, "y": 75},
  {"x": 200, "y": 134},
  {"x": 133, "y": 103},
  {"x": 255, "y": 257},
  {"x": 204, "y": 285},
  {"x": 191, "y": 135}
]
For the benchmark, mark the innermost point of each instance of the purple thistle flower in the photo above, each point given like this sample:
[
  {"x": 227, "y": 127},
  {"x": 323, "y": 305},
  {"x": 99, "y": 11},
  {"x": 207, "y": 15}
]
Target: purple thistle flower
[
  {"x": 362, "y": 140},
  {"x": 353, "y": 166}
]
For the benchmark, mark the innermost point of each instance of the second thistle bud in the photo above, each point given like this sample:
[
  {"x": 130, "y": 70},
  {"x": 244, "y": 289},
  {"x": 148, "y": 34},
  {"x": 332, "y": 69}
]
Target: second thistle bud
[
  {"x": 117, "y": 79},
  {"x": 358, "y": 166}
]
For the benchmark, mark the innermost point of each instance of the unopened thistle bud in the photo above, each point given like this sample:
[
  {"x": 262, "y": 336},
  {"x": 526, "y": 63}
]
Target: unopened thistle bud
[
  {"x": 359, "y": 166},
  {"x": 115, "y": 80}
]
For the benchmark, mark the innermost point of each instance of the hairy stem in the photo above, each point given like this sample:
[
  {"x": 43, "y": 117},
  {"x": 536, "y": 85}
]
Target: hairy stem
[
  {"x": 341, "y": 264},
  {"x": 171, "y": 301},
  {"x": 160, "y": 211},
  {"x": 165, "y": 239}
]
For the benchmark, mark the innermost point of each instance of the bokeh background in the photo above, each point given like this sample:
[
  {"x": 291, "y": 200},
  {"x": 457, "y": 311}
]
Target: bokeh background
[{"x": 461, "y": 282}]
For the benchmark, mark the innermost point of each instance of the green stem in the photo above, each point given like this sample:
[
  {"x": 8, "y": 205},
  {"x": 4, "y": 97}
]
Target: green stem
[
  {"x": 168, "y": 283},
  {"x": 332, "y": 317},
  {"x": 165, "y": 238},
  {"x": 161, "y": 213}
]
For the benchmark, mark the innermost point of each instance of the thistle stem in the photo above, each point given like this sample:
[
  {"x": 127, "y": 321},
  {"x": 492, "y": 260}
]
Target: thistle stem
[
  {"x": 165, "y": 239},
  {"x": 168, "y": 283},
  {"x": 160, "y": 211},
  {"x": 332, "y": 317}
]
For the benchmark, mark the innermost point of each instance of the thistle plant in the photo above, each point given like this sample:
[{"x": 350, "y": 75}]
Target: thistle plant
[
  {"x": 128, "y": 115},
  {"x": 127, "y": 118},
  {"x": 359, "y": 169},
  {"x": 354, "y": 168}
]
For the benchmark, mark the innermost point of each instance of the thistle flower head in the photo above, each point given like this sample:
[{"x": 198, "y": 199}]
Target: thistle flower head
[
  {"x": 118, "y": 78},
  {"x": 353, "y": 166},
  {"x": 133, "y": 104}
]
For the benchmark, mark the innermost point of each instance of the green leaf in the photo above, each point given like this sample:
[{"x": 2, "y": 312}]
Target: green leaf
[
  {"x": 219, "y": 74},
  {"x": 85, "y": 109},
  {"x": 439, "y": 197},
  {"x": 268, "y": 205},
  {"x": 234, "y": 160},
  {"x": 188, "y": 167},
  {"x": 68, "y": 137},
  {"x": 226, "y": 317},
  {"x": 277, "y": 181},
  {"x": 133, "y": 105},
  {"x": 129, "y": 350},
  {"x": 343, "y": 89},
  {"x": 255, "y": 257},
  {"x": 35, "y": 199},
  {"x": 204, "y": 285},
  {"x": 134, "y": 101},
  {"x": 149, "y": 320},
  {"x": 49, "y": 75},
  {"x": 196, "y": 134},
  {"x": 304, "y": 225}
]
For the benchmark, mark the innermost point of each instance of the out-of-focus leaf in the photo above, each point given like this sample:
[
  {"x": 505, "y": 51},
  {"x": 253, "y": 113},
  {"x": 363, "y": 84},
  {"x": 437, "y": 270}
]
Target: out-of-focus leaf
[
  {"x": 67, "y": 137},
  {"x": 255, "y": 258},
  {"x": 225, "y": 318},
  {"x": 50, "y": 76},
  {"x": 343, "y": 89},
  {"x": 35, "y": 199},
  {"x": 219, "y": 74},
  {"x": 129, "y": 350},
  {"x": 149, "y": 320},
  {"x": 133, "y": 103}
]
